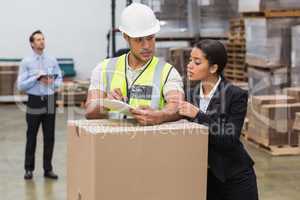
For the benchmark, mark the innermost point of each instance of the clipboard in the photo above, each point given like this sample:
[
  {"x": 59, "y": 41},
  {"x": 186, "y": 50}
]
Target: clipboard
[{"x": 117, "y": 105}]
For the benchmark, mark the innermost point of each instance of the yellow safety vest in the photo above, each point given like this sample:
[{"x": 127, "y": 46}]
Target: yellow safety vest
[{"x": 146, "y": 89}]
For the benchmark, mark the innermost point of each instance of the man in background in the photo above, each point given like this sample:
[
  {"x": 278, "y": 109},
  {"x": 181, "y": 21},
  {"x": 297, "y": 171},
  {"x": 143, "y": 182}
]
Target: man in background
[{"x": 39, "y": 77}]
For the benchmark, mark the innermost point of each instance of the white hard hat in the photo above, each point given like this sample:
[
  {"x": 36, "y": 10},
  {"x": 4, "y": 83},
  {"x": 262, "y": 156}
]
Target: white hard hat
[{"x": 138, "y": 20}]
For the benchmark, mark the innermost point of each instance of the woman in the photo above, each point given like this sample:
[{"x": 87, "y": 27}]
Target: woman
[{"x": 222, "y": 107}]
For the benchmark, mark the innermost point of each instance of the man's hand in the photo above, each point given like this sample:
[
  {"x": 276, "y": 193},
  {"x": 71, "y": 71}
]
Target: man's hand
[
  {"x": 117, "y": 95},
  {"x": 146, "y": 115},
  {"x": 46, "y": 80},
  {"x": 94, "y": 110}
]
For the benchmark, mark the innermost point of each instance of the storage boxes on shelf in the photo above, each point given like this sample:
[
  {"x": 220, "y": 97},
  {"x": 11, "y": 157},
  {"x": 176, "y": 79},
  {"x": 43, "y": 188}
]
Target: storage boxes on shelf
[
  {"x": 262, "y": 5},
  {"x": 271, "y": 119},
  {"x": 267, "y": 81},
  {"x": 268, "y": 41},
  {"x": 8, "y": 76}
]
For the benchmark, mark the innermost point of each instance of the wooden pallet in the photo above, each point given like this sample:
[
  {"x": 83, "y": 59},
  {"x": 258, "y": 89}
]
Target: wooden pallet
[
  {"x": 235, "y": 76},
  {"x": 274, "y": 13},
  {"x": 236, "y": 45},
  {"x": 239, "y": 61},
  {"x": 253, "y": 14},
  {"x": 236, "y": 33},
  {"x": 283, "y": 150},
  {"x": 237, "y": 22},
  {"x": 236, "y": 67},
  {"x": 241, "y": 51},
  {"x": 236, "y": 48},
  {"x": 238, "y": 73},
  {"x": 235, "y": 54},
  {"x": 236, "y": 79},
  {"x": 236, "y": 61},
  {"x": 236, "y": 51},
  {"x": 282, "y": 13}
]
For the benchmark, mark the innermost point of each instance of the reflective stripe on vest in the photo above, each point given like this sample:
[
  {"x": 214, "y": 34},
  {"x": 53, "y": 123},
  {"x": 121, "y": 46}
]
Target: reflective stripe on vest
[
  {"x": 156, "y": 92},
  {"x": 151, "y": 80}
]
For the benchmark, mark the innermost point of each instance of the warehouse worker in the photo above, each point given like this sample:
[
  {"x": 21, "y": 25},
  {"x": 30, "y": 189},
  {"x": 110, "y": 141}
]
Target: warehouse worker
[
  {"x": 39, "y": 77},
  {"x": 138, "y": 78}
]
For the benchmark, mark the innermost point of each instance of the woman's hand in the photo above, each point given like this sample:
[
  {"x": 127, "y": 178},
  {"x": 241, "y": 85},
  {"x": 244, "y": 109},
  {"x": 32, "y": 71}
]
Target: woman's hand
[{"x": 187, "y": 109}]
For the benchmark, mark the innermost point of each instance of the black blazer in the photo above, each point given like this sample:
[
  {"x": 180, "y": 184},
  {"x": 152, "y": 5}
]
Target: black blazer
[{"x": 225, "y": 118}]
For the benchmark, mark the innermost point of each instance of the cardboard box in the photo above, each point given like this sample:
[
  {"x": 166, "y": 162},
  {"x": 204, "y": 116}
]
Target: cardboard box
[
  {"x": 281, "y": 111},
  {"x": 268, "y": 40},
  {"x": 8, "y": 67},
  {"x": 265, "y": 134},
  {"x": 294, "y": 92},
  {"x": 267, "y": 81},
  {"x": 296, "y": 128},
  {"x": 121, "y": 160},
  {"x": 261, "y": 5},
  {"x": 297, "y": 122},
  {"x": 258, "y": 101},
  {"x": 7, "y": 82},
  {"x": 271, "y": 120},
  {"x": 8, "y": 76},
  {"x": 272, "y": 132},
  {"x": 295, "y": 46},
  {"x": 295, "y": 77}
]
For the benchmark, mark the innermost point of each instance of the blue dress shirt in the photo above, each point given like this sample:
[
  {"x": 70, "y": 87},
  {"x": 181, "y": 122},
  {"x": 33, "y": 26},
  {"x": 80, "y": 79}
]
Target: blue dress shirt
[{"x": 31, "y": 68}]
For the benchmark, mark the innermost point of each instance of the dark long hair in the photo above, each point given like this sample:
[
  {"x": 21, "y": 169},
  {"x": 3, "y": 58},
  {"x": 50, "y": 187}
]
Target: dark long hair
[{"x": 215, "y": 52}]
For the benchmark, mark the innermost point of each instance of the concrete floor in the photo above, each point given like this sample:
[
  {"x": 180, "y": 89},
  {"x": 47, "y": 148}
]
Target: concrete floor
[{"x": 278, "y": 177}]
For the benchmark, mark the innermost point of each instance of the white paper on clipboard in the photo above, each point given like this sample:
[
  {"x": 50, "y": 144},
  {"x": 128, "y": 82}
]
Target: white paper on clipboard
[{"x": 117, "y": 105}]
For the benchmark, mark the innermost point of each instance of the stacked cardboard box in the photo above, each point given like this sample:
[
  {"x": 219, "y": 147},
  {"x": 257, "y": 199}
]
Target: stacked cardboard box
[
  {"x": 297, "y": 121},
  {"x": 295, "y": 46},
  {"x": 268, "y": 41},
  {"x": 261, "y": 5},
  {"x": 271, "y": 119},
  {"x": 8, "y": 76},
  {"x": 295, "y": 77},
  {"x": 296, "y": 128},
  {"x": 295, "y": 69},
  {"x": 164, "y": 162},
  {"x": 267, "y": 81},
  {"x": 294, "y": 92}
]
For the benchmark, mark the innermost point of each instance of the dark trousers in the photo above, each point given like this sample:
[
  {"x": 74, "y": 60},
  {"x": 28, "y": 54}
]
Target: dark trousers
[
  {"x": 40, "y": 110},
  {"x": 242, "y": 186}
]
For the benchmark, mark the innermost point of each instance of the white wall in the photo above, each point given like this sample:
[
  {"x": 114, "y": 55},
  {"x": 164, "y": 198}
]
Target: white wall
[{"x": 75, "y": 29}]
